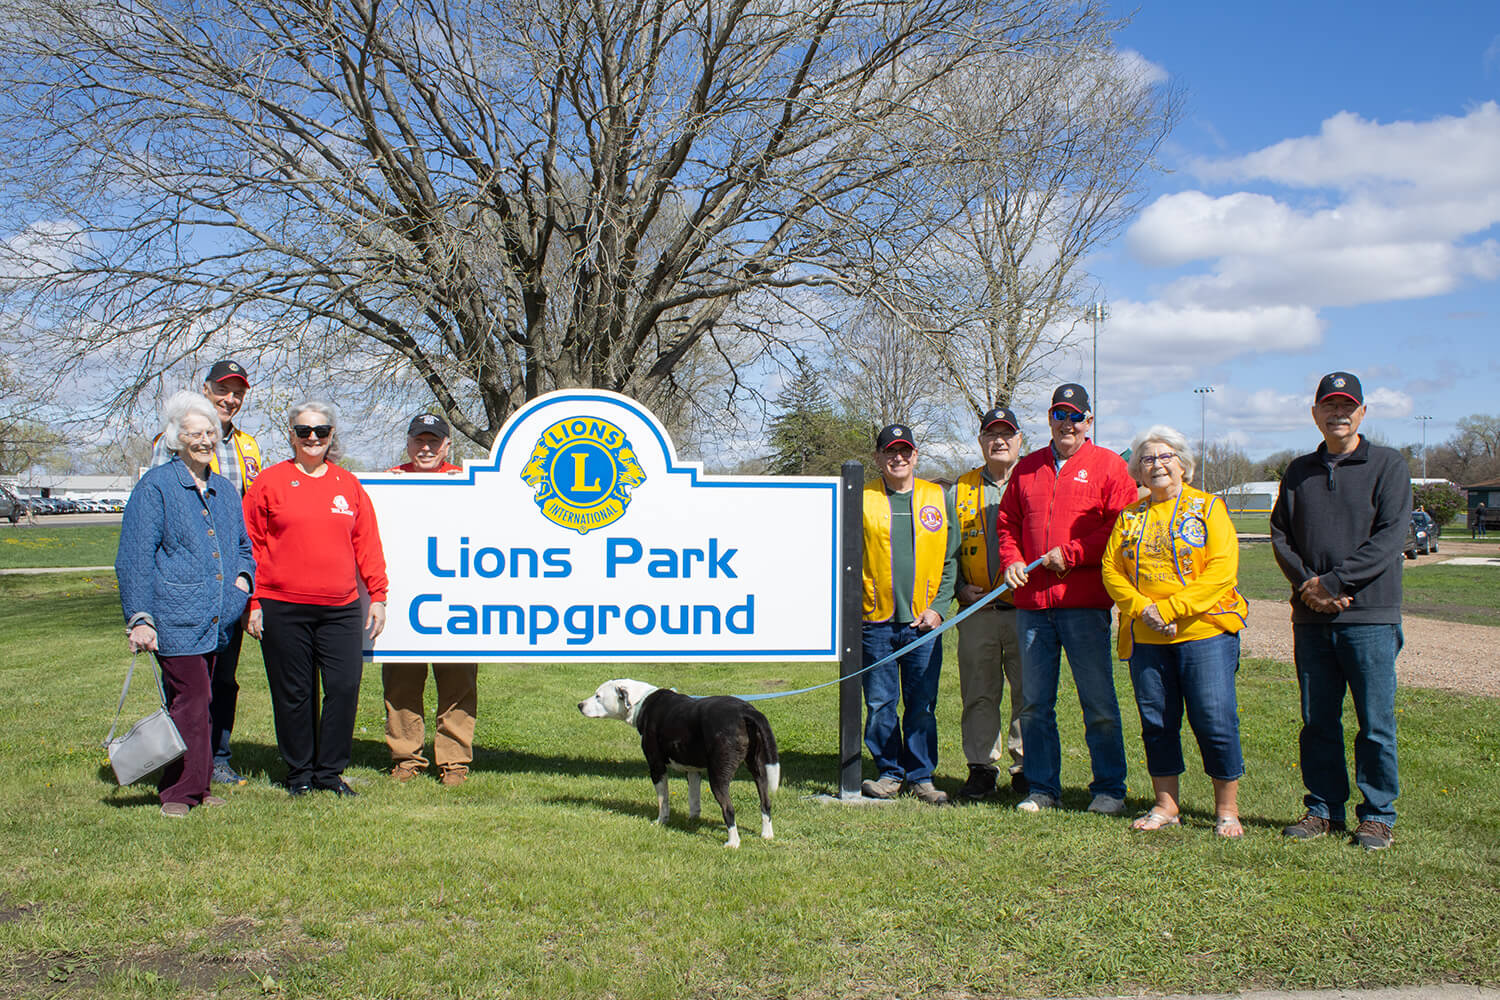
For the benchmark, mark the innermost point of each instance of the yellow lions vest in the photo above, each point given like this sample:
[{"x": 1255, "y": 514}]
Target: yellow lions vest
[
  {"x": 930, "y": 528},
  {"x": 247, "y": 453},
  {"x": 973, "y": 551}
]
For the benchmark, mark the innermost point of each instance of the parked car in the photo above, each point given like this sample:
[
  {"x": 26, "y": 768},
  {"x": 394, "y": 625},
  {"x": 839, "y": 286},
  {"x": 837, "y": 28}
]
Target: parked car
[
  {"x": 1421, "y": 535},
  {"x": 12, "y": 507}
]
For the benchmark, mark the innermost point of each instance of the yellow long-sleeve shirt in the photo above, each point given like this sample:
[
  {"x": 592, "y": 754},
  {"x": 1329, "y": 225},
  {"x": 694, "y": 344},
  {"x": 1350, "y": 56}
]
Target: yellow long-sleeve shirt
[{"x": 1183, "y": 556}]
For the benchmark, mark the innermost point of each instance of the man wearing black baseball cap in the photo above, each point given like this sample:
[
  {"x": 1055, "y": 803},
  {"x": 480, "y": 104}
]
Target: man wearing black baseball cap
[
  {"x": 989, "y": 652},
  {"x": 236, "y": 458},
  {"x": 1059, "y": 508},
  {"x": 427, "y": 445},
  {"x": 910, "y": 549},
  {"x": 1337, "y": 529}
]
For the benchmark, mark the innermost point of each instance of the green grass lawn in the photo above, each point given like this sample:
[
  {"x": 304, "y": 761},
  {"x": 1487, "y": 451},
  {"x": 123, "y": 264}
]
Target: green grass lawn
[
  {"x": 46, "y": 544},
  {"x": 544, "y": 877}
]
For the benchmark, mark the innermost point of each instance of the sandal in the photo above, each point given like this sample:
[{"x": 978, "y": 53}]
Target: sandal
[
  {"x": 1229, "y": 827},
  {"x": 1154, "y": 819}
]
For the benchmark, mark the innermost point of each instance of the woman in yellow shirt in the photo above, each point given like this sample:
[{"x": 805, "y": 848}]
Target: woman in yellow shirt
[{"x": 1171, "y": 566}]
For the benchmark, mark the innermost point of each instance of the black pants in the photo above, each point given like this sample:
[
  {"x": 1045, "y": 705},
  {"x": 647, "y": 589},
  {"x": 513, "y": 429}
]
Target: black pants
[
  {"x": 224, "y": 694},
  {"x": 304, "y": 644}
]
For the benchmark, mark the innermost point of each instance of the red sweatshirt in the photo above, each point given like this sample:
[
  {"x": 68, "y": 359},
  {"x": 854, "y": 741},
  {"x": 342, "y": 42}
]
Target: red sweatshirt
[
  {"x": 1076, "y": 510},
  {"x": 314, "y": 537}
]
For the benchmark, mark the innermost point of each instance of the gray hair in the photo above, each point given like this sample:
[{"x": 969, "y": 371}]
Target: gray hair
[
  {"x": 1172, "y": 438},
  {"x": 179, "y": 405},
  {"x": 329, "y": 415}
]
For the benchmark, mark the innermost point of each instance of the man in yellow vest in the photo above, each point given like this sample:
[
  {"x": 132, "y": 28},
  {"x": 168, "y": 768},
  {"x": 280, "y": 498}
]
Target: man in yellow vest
[
  {"x": 989, "y": 651},
  {"x": 910, "y": 564},
  {"x": 237, "y": 459}
]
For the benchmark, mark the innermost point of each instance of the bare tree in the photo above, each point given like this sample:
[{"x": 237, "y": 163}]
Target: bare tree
[
  {"x": 490, "y": 199},
  {"x": 1051, "y": 149}
]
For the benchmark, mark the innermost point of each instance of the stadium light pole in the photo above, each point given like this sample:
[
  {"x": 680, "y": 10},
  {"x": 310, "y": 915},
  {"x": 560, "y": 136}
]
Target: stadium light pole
[
  {"x": 1096, "y": 314},
  {"x": 1202, "y": 393},
  {"x": 1424, "y": 445}
]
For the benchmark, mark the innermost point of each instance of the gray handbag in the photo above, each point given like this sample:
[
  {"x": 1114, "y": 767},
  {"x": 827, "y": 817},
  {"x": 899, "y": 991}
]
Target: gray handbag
[{"x": 151, "y": 743}]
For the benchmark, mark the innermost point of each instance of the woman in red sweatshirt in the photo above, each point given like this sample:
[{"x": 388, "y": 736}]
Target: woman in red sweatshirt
[{"x": 315, "y": 539}]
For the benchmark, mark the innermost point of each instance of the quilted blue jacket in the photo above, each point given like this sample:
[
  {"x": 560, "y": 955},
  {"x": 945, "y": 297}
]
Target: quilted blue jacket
[{"x": 180, "y": 553}]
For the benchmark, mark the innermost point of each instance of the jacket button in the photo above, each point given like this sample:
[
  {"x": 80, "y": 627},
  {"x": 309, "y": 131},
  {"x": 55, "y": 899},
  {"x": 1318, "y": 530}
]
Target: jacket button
[
  {"x": 216, "y": 620},
  {"x": 210, "y": 532},
  {"x": 218, "y": 576},
  {"x": 216, "y": 555}
]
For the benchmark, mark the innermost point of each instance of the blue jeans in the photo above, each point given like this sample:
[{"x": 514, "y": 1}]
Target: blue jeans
[
  {"x": 1084, "y": 634},
  {"x": 1362, "y": 660},
  {"x": 1198, "y": 674},
  {"x": 905, "y": 749}
]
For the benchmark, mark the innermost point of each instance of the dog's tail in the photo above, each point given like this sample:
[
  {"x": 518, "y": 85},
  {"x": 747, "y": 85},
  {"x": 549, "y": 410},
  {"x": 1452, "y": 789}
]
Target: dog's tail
[{"x": 763, "y": 749}]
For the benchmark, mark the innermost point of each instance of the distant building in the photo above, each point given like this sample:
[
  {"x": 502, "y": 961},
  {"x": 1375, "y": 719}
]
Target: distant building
[
  {"x": 72, "y": 487},
  {"x": 1250, "y": 498}
]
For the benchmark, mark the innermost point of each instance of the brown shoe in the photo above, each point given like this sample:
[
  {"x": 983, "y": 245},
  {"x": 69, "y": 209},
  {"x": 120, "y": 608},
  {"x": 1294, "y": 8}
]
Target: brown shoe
[
  {"x": 1311, "y": 827},
  {"x": 213, "y": 800},
  {"x": 454, "y": 776},
  {"x": 405, "y": 771},
  {"x": 176, "y": 810},
  {"x": 1372, "y": 835},
  {"x": 881, "y": 788},
  {"x": 926, "y": 792}
]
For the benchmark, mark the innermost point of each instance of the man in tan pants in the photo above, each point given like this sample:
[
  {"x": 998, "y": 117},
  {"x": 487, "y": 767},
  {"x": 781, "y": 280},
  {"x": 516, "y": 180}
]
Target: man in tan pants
[
  {"x": 989, "y": 651},
  {"x": 427, "y": 443}
]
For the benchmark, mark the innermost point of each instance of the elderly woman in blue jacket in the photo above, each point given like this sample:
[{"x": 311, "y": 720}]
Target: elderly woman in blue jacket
[{"x": 185, "y": 573}]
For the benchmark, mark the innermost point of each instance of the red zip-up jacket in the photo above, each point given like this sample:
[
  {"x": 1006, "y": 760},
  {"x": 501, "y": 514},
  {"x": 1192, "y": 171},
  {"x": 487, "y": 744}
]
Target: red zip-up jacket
[
  {"x": 315, "y": 538},
  {"x": 1074, "y": 510}
]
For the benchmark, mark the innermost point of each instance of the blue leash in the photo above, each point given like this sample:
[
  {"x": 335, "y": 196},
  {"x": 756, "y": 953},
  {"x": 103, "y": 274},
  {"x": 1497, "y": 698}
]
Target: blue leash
[{"x": 925, "y": 638}]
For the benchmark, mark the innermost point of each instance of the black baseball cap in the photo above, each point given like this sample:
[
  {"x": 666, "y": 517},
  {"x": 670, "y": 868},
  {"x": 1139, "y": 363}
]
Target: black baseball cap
[
  {"x": 1340, "y": 384},
  {"x": 1000, "y": 414},
  {"x": 1073, "y": 396},
  {"x": 427, "y": 423},
  {"x": 220, "y": 370},
  {"x": 895, "y": 434}
]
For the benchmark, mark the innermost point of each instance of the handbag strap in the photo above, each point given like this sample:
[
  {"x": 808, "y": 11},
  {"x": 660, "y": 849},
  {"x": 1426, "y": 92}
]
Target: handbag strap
[{"x": 160, "y": 689}]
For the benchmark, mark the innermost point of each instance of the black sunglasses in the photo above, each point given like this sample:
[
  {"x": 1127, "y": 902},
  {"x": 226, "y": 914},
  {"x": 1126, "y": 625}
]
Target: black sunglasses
[
  {"x": 304, "y": 431},
  {"x": 1062, "y": 413}
]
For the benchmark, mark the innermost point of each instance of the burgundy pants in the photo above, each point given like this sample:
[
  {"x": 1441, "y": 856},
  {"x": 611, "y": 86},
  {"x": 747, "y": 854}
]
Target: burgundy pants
[{"x": 186, "y": 679}]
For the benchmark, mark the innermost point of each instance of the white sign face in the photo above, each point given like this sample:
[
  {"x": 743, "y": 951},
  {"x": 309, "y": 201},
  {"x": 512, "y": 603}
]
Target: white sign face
[{"x": 583, "y": 537}]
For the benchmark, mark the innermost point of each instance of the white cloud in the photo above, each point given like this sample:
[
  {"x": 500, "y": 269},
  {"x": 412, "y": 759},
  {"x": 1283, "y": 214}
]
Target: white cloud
[
  {"x": 1148, "y": 334},
  {"x": 1366, "y": 212}
]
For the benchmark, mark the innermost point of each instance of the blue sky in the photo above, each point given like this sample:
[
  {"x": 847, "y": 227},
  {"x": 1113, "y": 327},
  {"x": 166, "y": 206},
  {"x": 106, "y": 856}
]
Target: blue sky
[{"x": 1332, "y": 202}]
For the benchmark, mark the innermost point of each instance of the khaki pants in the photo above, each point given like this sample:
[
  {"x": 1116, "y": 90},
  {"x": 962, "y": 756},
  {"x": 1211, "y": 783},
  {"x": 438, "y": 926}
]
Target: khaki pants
[
  {"x": 989, "y": 654},
  {"x": 457, "y": 700}
]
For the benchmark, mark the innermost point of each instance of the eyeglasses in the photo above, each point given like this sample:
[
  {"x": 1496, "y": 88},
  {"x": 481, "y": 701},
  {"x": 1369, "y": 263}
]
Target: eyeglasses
[
  {"x": 1063, "y": 413},
  {"x": 1161, "y": 459},
  {"x": 304, "y": 431},
  {"x": 196, "y": 436}
]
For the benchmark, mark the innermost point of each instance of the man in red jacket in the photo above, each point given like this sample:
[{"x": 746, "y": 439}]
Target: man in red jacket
[{"x": 1060, "y": 506}]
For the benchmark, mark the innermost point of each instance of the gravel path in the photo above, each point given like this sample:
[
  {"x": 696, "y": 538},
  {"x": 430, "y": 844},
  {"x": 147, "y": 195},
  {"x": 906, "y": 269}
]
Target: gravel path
[{"x": 1437, "y": 654}]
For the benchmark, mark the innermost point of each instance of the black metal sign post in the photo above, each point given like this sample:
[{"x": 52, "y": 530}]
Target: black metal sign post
[{"x": 851, "y": 636}]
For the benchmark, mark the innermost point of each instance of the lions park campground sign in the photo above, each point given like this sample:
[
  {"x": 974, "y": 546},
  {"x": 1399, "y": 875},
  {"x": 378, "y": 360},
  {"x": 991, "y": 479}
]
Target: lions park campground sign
[{"x": 583, "y": 537}]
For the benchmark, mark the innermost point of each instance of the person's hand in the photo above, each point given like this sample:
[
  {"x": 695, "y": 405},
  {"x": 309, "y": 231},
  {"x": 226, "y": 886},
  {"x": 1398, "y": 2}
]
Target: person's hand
[
  {"x": 927, "y": 621},
  {"x": 242, "y": 583},
  {"x": 1152, "y": 617},
  {"x": 1318, "y": 597},
  {"x": 142, "y": 638},
  {"x": 1016, "y": 575},
  {"x": 1054, "y": 561},
  {"x": 968, "y": 593},
  {"x": 255, "y": 623},
  {"x": 375, "y": 623}
]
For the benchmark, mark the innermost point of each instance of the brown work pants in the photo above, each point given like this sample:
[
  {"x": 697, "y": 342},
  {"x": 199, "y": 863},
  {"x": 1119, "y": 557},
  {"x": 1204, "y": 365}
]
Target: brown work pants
[{"x": 457, "y": 700}]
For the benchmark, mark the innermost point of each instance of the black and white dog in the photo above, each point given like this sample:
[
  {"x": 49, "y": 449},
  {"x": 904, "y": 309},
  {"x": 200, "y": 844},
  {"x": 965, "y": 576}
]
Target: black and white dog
[{"x": 695, "y": 735}]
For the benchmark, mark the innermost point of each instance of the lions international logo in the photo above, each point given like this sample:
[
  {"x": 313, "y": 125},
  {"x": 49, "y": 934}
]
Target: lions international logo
[
  {"x": 583, "y": 470},
  {"x": 1194, "y": 532},
  {"x": 931, "y": 517},
  {"x": 1338, "y": 383}
]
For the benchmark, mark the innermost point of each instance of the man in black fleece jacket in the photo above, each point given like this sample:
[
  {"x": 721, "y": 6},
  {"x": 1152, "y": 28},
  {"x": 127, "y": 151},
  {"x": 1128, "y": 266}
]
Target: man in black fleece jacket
[{"x": 1338, "y": 529}]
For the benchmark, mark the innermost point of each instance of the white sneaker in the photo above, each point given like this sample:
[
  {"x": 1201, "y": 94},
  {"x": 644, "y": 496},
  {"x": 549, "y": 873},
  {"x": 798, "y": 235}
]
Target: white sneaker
[
  {"x": 1107, "y": 805},
  {"x": 1036, "y": 802}
]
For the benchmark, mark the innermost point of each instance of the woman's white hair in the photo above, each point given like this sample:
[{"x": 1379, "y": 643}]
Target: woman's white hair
[
  {"x": 176, "y": 407},
  {"x": 330, "y": 416},
  {"x": 1172, "y": 438}
]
